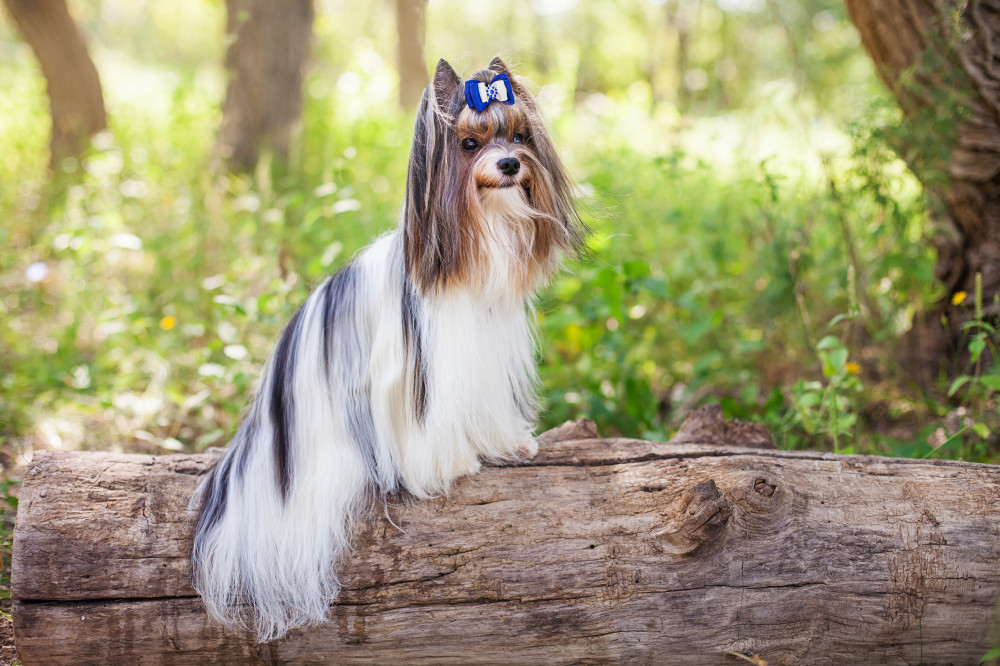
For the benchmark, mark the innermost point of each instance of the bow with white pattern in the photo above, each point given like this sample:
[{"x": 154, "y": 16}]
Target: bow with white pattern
[{"x": 479, "y": 95}]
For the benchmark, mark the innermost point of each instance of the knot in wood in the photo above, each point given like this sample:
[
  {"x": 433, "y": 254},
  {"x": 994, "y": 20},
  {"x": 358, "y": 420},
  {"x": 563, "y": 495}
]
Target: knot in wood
[
  {"x": 762, "y": 500},
  {"x": 702, "y": 516},
  {"x": 759, "y": 492},
  {"x": 762, "y": 487}
]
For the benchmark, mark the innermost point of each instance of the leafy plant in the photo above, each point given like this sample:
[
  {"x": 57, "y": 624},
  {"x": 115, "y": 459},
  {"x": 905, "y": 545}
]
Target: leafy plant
[
  {"x": 982, "y": 385},
  {"x": 830, "y": 407},
  {"x": 8, "y": 511}
]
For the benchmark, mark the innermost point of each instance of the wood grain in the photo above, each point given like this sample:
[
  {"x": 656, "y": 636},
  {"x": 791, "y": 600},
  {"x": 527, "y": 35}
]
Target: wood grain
[{"x": 599, "y": 550}]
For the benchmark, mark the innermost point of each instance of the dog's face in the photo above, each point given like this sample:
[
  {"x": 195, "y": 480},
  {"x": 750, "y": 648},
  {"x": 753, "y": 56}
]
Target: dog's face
[
  {"x": 496, "y": 146},
  {"x": 468, "y": 164}
]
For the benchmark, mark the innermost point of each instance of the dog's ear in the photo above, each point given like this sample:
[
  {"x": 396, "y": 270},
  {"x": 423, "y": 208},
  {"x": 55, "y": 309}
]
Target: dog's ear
[
  {"x": 433, "y": 248},
  {"x": 520, "y": 90},
  {"x": 446, "y": 82},
  {"x": 498, "y": 65}
]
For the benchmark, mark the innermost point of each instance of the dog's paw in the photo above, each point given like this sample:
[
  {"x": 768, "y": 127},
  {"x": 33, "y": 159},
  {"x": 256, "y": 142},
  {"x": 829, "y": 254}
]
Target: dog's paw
[{"x": 527, "y": 448}]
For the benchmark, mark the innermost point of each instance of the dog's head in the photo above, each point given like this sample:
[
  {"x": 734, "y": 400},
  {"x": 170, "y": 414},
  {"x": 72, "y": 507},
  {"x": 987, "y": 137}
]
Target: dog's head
[{"x": 481, "y": 154}]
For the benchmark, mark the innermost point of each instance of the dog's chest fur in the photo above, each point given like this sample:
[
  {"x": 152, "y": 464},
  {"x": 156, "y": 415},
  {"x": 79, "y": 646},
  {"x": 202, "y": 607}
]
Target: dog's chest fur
[{"x": 466, "y": 375}]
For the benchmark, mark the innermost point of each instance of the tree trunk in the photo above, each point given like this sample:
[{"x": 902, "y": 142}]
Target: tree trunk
[
  {"x": 940, "y": 60},
  {"x": 75, "y": 98},
  {"x": 599, "y": 550},
  {"x": 411, "y": 61},
  {"x": 266, "y": 63},
  {"x": 681, "y": 17}
]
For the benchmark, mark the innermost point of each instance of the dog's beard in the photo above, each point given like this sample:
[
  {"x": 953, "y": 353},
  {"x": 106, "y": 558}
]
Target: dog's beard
[
  {"x": 507, "y": 270},
  {"x": 507, "y": 203}
]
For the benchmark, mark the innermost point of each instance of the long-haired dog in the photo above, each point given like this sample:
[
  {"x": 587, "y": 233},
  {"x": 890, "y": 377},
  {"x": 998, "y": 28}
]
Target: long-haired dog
[{"x": 404, "y": 370}]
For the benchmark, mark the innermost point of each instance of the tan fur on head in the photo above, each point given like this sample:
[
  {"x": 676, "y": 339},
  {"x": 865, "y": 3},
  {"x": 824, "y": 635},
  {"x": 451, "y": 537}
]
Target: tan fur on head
[{"x": 447, "y": 230}]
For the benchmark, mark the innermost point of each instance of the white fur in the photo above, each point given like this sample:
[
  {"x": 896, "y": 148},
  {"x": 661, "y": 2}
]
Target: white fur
[{"x": 267, "y": 564}]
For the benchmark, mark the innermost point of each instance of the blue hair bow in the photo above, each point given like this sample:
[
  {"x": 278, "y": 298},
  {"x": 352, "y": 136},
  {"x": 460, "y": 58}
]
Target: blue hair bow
[{"x": 479, "y": 95}]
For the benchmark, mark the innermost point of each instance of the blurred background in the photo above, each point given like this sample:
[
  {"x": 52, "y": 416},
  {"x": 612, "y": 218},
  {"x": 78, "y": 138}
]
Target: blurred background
[{"x": 757, "y": 239}]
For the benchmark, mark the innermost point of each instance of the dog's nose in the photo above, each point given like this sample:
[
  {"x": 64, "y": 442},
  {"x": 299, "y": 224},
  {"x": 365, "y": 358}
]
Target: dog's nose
[{"x": 509, "y": 166}]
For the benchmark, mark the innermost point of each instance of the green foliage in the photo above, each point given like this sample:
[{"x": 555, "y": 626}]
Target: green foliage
[
  {"x": 979, "y": 385},
  {"x": 829, "y": 408},
  {"x": 8, "y": 511},
  {"x": 723, "y": 239}
]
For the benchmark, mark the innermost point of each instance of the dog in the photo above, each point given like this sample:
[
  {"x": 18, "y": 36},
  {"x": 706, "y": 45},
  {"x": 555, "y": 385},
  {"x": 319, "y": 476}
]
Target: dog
[{"x": 405, "y": 370}]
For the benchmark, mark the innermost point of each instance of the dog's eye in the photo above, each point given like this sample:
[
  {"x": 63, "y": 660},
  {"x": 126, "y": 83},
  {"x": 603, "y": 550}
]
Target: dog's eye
[
  {"x": 469, "y": 144},
  {"x": 518, "y": 138}
]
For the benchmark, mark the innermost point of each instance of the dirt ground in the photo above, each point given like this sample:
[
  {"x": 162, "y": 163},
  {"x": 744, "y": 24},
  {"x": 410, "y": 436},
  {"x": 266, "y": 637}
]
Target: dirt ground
[{"x": 8, "y": 655}]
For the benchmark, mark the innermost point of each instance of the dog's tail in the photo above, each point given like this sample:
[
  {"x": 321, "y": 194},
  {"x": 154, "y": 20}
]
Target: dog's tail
[{"x": 276, "y": 512}]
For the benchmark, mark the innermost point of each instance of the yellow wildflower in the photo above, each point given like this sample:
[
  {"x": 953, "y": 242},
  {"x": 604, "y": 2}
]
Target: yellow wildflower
[
  {"x": 958, "y": 298},
  {"x": 852, "y": 367},
  {"x": 168, "y": 322}
]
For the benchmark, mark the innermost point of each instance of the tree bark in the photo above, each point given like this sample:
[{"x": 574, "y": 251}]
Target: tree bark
[
  {"x": 681, "y": 17},
  {"x": 411, "y": 60},
  {"x": 927, "y": 51},
  {"x": 75, "y": 98},
  {"x": 266, "y": 63},
  {"x": 599, "y": 550}
]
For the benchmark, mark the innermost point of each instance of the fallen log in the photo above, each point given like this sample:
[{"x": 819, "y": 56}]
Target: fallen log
[{"x": 599, "y": 550}]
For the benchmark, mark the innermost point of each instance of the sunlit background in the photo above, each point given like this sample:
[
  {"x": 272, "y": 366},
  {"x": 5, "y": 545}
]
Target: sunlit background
[{"x": 755, "y": 242}]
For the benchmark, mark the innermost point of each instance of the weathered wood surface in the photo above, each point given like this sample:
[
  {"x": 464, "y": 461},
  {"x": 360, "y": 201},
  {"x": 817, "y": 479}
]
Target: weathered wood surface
[{"x": 599, "y": 550}]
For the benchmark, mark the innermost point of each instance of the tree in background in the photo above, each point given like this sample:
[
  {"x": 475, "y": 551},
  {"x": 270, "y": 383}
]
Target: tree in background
[
  {"x": 266, "y": 63},
  {"x": 939, "y": 59},
  {"x": 75, "y": 97},
  {"x": 680, "y": 17},
  {"x": 411, "y": 29}
]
